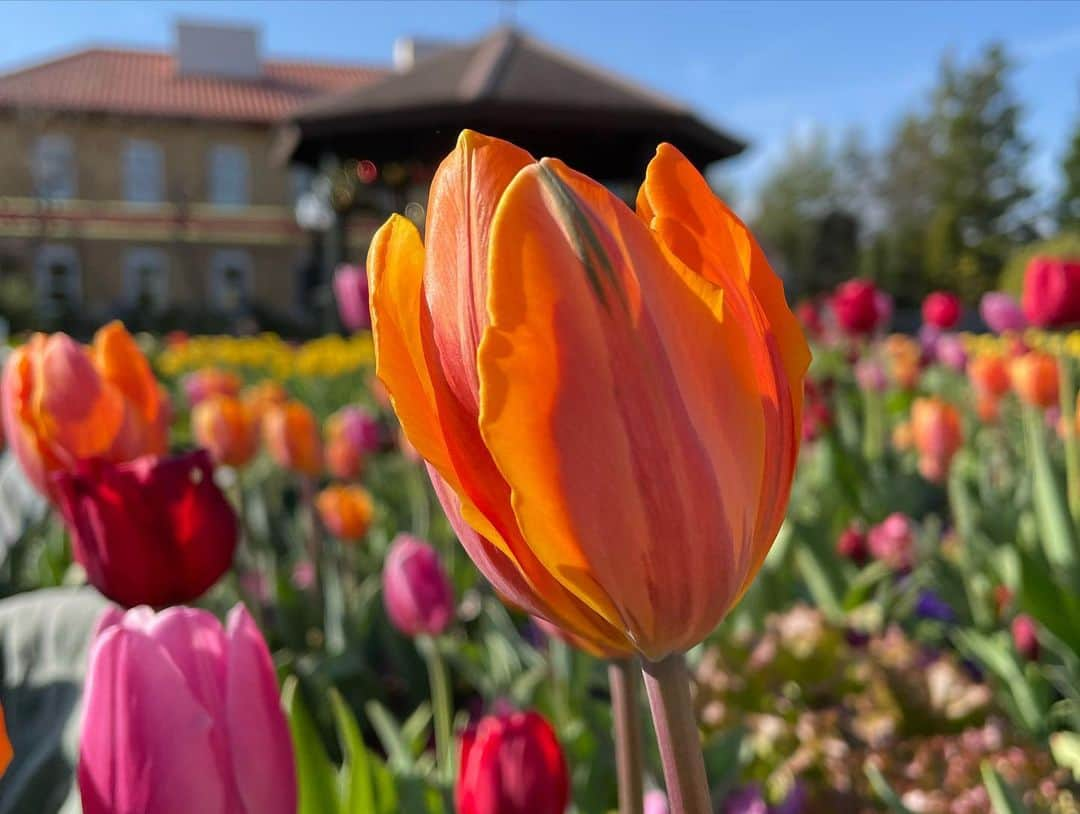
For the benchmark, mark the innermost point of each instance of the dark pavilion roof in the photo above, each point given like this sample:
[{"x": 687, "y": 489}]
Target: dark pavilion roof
[{"x": 509, "y": 85}]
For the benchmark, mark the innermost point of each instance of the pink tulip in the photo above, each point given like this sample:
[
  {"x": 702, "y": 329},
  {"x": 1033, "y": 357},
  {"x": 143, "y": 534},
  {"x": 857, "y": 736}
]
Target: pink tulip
[
  {"x": 351, "y": 293},
  {"x": 951, "y": 352},
  {"x": 656, "y": 802},
  {"x": 417, "y": 593},
  {"x": 183, "y": 716},
  {"x": 870, "y": 376},
  {"x": 893, "y": 542},
  {"x": 1002, "y": 313}
]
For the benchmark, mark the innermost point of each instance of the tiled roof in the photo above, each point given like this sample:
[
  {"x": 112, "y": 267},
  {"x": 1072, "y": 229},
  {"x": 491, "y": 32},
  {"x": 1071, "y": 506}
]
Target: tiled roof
[{"x": 146, "y": 83}]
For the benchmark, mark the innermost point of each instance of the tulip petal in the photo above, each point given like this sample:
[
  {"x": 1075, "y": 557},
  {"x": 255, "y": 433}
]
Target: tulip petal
[
  {"x": 139, "y": 753},
  {"x": 260, "y": 744},
  {"x": 437, "y": 426},
  {"x": 124, "y": 367},
  {"x": 704, "y": 233},
  {"x": 464, "y": 195},
  {"x": 618, "y": 401}
]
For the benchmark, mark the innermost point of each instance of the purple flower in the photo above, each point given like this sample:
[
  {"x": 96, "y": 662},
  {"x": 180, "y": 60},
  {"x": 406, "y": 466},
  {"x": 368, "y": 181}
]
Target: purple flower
[
  {"x": 931, "y": 606},
  {"x": 746, "y": 800}
]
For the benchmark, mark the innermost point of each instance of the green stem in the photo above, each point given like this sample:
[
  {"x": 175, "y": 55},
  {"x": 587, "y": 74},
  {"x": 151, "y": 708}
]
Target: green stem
[
  {"x": 625, "y": 682},
  {"x": 873, "y": 429},
  {"x": 1067, "y": 396},
  {"x": 668, "y": 686},
  {"x": 441, "y": 707}
]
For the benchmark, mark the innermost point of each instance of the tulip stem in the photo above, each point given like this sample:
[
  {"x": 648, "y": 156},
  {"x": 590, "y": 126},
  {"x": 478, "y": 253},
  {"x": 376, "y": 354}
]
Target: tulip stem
[
  {"x": 668, "y": 686},
  {"x": 441, "y": 707},
  {"x": 625, "y": 684},
  {"x": 1067, "y": 395}
]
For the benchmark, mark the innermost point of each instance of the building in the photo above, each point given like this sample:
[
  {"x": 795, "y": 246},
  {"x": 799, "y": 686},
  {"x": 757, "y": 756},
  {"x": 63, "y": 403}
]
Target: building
[{"x": 140, "y": 184}]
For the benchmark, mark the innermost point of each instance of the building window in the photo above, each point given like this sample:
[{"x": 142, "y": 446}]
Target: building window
[
  {"x": 54, "y": 167},
  {"x": 144, "y": 172},
  {"x": 146, "y": 280},
  {"x": 232, "y": 277},
  {"x": 57, "y": 279},
  {"x": 228, "y": 181}
]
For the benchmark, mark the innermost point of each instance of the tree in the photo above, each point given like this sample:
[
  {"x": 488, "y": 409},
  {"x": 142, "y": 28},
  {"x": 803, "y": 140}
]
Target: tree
[{"x": 1068, "y": 209}]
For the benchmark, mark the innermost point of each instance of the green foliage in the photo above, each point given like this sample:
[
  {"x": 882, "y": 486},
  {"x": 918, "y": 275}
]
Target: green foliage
[{"x": 1068, "y": 206}]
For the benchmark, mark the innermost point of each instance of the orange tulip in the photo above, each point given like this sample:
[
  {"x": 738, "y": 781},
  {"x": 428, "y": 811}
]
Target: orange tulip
[
  {"x": 989, "y": 375},
  {"x": 6, "y": 752},
  {"x": 262, "y": 397},
  {"x": 904, "y": 357},
  {"x": 987, "y": 408},
  {"x": 346, "y": 511},
  {"x": 902, "y": 436},
  {"x": 936, "y": 431},
  {"x": 292, "y": 438},
  {"x": 226, "y": 426},
  {"x": 1035, "y": 378},
  {"x": 210, "y": 381},
  {"x": 609, "y": 402},
  {"x": 63, "y": 402}
]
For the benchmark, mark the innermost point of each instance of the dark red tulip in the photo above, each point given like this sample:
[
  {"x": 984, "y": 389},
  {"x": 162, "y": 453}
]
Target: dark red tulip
[
  {"x": 858, "y": 308},
  {"x": 151, "y": 531},
  {"x": 1052, "y": 292},
  {"x": 512, "y": 764},
  {"x": 941, "y": 309},
  {"x": 852, "y": 545}
]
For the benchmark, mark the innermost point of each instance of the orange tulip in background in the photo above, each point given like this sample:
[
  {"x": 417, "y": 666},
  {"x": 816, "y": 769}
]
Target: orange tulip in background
[
  {"x": 609, "y": 402},
  {"x": 226, "y": 426},
  {"x": 937, "y": 434},
  {"x": 262, "y": 397},
  {"x": 904, "y": 357},
  {"x": 346, "y": 511},
  {"x": 291, "y": 436},
  {"x": 989, "y": 375},
  {"x": 1034, "y": 377},
  {"x": 63, "y": 402},
  {"x": 5, "y": 746}
]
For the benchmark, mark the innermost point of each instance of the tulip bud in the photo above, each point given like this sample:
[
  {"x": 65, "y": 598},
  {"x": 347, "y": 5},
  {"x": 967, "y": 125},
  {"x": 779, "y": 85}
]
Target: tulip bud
[
  {"x": 351, "y": 293},
  {"x": 226, "y": 427},
  {"x": 1052, "y": 292},
  {"x": 182, "y": 716},
  {"x": 351, "y": 433},
  {"x": 210, "y": 381},
  {"x": 1025, "y": 636},
  {"x": 989, "y": 375},
  {"x": 1001, "y": 313},
  {"x": 63, "y": 403},
  {"x": 936, "y": 431},
  {"x": 852, "y": 545},
  {"x": 904, "y": 357},
  {"x": 292, "y": 438},
  {"x": 656, "y": 802},
  {"x": 6, "y": 752},
  {"x": 512, "y": 763},
  {"x": 1034, "y": 377},
  {"x": 858, "y": 308},
  {"x": 153, "y": 531},
  {"x": 346, "y": 511},
  {"x": 893, "y": 542},
  {"x": 941, "y": 309},
  {"x": 417, "y": 593}
]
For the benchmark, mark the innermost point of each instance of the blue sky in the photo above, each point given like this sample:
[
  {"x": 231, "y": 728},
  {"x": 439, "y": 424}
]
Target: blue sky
[{"x": 768, "y": 71}]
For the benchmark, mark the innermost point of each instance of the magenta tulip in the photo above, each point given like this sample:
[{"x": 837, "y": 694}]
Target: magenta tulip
[
  {"x": 1002, "y": 313},
  {"x": 1052, "y": 292},
  {"x": 351, "y": 293},
  {"x": 183, "y": 716},
  {"x": 417, "y": 593}
]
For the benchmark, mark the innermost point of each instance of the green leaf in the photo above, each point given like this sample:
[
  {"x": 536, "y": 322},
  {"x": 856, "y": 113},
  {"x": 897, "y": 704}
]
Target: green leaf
[
  {"x": 997, "y": 655},
  {"x": 358, "y": 786},
  {"x": 315, "y": 774},
  {"x": 884, "y": 791},
  {"x": 1065, "y": 747},
  {"x": 1002, "y": 797},
  {"x": 394, "y": 742},
  {"x": 818, "y": 582},
  {"x": 1056, "y": 608},
  {"x": 1055, "y": 527}
]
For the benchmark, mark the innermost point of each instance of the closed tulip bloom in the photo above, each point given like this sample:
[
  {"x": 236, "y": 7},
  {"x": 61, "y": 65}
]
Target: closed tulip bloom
[
  {"x": 63, "y": 403},
  {"x": 1052, "y": 292},
  {"x": 153, "y": 531},
  {"x": 941, "y": 309},
  {"x": 351, "y": 294},
  {"x": 936, "y": 431},
  {"x": 227, "y": 428},
  {"x": 291, "y": 436},
  {"x": 6, "y": 753},
  {"x": 1034, "y": 378},
  {"x": 609, "y": 402},
  {"x": 893, "y": 542},
  {"x": 210, "y": 381},
  {"x": 417, "y": 593},
  {"x": 512, "y": 764},
  {"x": 858, "y": 308},
  {"x": 359, "y": 427},
  {"x": 183, "y": 716},
  {"x": 989, "y": 375},
  {"x": 1025, "y": 636},
  {"x": 1001, "y": 313},
  {"x": 904, "y": 357},
  {"x": 346, "y": 511}
]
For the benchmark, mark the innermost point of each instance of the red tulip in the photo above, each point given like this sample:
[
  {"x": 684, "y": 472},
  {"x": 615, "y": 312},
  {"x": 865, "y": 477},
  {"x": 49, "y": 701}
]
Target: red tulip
[
  {"x": 858, "y": 308},
  {"x": 852, "y": 545},
  {"x": 1052, "y": 292},
  {"x": 183, "y": 717},
  {"x": 417, "y": 593},
  {"x": 941, "y": 309},
  {"x": 512, "y": 764},
  {"x": 1025, "y": 636},
  {"x": 153, "y": 531}
]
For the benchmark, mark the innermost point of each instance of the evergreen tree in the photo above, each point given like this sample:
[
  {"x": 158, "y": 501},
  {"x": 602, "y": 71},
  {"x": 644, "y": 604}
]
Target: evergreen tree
[{"x": 1068, "y": 209}]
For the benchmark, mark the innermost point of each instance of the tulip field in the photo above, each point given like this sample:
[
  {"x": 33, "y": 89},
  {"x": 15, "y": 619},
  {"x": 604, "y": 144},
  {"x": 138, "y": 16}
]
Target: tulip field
[{"x": 240, "y": 575}]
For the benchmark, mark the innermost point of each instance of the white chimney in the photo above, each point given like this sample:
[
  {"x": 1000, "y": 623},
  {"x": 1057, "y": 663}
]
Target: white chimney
[
  {"x": 410, "y": 50},
  {"x": 225, "y": 51}
]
